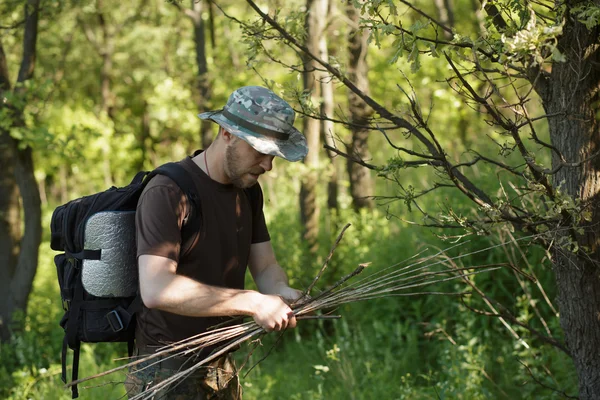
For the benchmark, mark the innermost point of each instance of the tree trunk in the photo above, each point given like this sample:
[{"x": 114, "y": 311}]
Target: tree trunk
[
  {"x": 9, "y": 229},
  {"x": 573, "y": 89},
  {"x": 328, "y": 127},
  {"x": 316, "y": 11},
  {"x": 361, "y": 185},
  {"x": 18, "y": 252},
  {"x": 202, "y": 82},
  {"x": 22, "y": 278}
]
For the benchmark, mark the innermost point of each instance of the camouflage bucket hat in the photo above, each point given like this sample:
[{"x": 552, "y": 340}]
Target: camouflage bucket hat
[{"x": 264, "y": 120}]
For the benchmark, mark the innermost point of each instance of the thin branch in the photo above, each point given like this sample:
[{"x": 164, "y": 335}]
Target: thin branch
[
  {"x": 561, "y": 392},
  {"x": 345, "y": 122},
  {"x": 335, "y": 245},
  {"x": 405, "y": 150},
  {"x": 353, "y": 159},
  {"x": 13, "y": 26},
  {"x": 505, "y": 315},
  {"x": 438, "y": 23},
  {"x": 498, "y": 164}
]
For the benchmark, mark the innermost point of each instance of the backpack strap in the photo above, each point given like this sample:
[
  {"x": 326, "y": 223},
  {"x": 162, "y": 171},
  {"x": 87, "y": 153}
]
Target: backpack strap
[
  {"x": 71, "y": 339},
  {"x": 177, "y": 173}
]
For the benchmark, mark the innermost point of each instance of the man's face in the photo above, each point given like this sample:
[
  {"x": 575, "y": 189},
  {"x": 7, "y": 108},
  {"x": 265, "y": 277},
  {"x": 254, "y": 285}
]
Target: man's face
[{"x": 243, "y": 164}]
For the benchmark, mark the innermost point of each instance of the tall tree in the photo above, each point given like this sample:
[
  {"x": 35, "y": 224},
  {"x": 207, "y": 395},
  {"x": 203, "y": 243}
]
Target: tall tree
[
  {"x": 361, "y": 185},
  {"x": 315, "y": 23},
  {"x": 203, "y": 85},
  {"x": 570, "y": 95},
  {"x": 548, "y": 51},
  {"x": 327, "y": 111},
  {"x": 18, "y": 250}
]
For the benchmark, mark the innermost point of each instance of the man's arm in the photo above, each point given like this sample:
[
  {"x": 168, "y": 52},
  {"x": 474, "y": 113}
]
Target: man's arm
[
  {"x": 269, "y": 277},
  {"x": 163, "y": 289}
]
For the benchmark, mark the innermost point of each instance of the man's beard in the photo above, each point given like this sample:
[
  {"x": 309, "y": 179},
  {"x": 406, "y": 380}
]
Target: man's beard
[{"x": 238, "y": 176}]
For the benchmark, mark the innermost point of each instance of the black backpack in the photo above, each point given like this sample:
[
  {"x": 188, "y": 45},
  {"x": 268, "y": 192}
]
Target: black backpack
[{"x": 97, "y": 271}]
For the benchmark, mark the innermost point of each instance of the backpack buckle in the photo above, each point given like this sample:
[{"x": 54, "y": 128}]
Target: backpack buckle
[{"x": 115, "y": 321}]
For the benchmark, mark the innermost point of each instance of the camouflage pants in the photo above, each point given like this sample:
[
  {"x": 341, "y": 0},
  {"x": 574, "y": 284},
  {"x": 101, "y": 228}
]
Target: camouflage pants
[{"x": 217, "y": 380}]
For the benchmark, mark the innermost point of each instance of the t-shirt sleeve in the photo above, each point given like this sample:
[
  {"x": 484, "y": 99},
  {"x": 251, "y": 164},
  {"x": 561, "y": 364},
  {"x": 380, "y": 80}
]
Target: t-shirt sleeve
[
  {"x": 260, "y": 233},
  {"x": 159, "y": 217}
]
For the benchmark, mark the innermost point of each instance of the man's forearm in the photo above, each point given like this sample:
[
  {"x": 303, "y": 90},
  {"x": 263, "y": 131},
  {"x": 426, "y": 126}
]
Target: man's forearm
[
  {"x": 163, "y": 289},
  {"x": 271, "y": 279},
  {"x": 186, "y": 296}
]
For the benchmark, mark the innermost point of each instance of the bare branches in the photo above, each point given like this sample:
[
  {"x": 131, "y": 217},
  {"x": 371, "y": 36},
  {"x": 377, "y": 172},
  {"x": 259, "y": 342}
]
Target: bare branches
[
  {"x": 509, "y": 126},
  {"x": 436, "y": 157},
  {"x": 503, "y": 96}
]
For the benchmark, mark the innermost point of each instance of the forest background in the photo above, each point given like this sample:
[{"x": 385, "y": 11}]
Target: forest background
[{"x": 431, "y": 126}]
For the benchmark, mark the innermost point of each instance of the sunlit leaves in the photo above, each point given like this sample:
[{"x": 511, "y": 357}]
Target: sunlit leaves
[
  {"x": 588, "y": 14},
  {"x": 534, "y": 42}
]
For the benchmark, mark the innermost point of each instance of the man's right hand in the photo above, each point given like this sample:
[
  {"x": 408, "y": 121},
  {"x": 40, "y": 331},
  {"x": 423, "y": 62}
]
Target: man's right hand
[{"x": 272, "y": 313}]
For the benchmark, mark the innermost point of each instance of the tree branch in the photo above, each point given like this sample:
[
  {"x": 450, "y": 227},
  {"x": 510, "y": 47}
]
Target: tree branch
[
  {"x": 506, "y": 315},
  {"x": 493, "y": 12},
  {"x": 438, "y": 23},
  {"x": 561, "y": 392},
  {"x": 510, "y": 127},
  {"x": 188, "y": 12},
  {"x": 353, "y": 159}
]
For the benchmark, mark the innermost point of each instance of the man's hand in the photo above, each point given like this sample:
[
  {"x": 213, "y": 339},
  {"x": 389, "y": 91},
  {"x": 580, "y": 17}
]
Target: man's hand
[
  {"x": 273, "y": 314},
  {"x": 288, "y": 294}
]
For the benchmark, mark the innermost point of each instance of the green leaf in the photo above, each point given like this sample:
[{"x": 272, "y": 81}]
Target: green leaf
[{"x": 414, "y": 58}]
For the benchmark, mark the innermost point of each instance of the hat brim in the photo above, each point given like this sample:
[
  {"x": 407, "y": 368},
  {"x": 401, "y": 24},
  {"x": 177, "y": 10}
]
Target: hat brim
[{"x": 292, "y": 149}]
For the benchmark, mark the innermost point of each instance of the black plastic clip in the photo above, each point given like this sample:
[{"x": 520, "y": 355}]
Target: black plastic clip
[{"x": 115, "y": 321}]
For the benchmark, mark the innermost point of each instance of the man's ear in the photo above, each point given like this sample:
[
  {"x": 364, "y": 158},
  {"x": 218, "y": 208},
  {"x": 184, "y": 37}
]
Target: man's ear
[{"x": 227, "y": 136}]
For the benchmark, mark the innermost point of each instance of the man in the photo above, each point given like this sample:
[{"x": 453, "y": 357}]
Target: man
[{"x": 186, "y": 291}]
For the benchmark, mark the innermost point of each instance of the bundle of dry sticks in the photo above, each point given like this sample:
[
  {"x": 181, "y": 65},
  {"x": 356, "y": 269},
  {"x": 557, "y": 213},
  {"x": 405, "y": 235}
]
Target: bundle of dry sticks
[{"x": 401, "y": 279}]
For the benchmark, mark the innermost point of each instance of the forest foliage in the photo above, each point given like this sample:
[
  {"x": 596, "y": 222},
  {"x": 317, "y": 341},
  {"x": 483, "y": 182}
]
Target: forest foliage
[{"x": 116, "y": 91}]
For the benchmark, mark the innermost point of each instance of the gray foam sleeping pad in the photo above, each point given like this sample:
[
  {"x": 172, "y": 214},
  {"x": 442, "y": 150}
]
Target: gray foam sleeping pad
[{"x": 116, "y": 273}]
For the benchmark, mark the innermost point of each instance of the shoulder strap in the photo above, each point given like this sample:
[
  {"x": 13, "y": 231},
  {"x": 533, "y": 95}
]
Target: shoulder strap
[
  {"x": 180, "y": 176},
  {"x": 176, "y": 172}
]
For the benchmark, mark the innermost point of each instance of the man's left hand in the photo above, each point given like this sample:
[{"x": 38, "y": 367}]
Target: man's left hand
[{"x": 288, "y": 294}]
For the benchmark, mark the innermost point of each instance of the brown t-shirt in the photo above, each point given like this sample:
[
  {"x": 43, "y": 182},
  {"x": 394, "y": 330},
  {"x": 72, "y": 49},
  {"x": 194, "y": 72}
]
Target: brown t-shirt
[{"x": 231, "y": 219}]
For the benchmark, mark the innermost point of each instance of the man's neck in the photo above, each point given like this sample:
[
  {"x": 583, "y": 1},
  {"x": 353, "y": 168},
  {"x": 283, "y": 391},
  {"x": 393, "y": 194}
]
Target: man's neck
[{"x": 211, "y": 163}]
